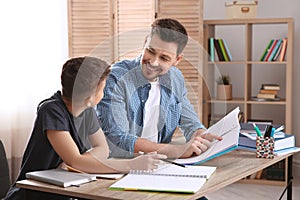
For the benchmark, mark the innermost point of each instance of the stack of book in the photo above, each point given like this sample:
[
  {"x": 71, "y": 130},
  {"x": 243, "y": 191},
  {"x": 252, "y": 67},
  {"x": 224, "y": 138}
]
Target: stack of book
[
  {"x": 275, "y": 50},
  {"x": 217, "y": 48},
  {"x": 247, "y": 138},
  {"x": 268, "y": 92}
]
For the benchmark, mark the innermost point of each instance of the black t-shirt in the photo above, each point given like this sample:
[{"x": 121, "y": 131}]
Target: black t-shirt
[{"x": 52, "y": 114}]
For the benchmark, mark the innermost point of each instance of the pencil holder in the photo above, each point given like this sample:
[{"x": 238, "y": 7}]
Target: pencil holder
[{"x": 264, "y": 147}]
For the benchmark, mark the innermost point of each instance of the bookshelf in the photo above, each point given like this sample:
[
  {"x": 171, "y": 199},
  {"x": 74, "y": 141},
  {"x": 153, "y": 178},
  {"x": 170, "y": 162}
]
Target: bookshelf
[{"x": 247, "y": 63}]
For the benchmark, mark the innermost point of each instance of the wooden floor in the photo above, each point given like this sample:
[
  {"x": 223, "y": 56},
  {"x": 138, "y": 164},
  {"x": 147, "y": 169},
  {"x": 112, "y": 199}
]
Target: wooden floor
[{"x": 241, "y": 191}]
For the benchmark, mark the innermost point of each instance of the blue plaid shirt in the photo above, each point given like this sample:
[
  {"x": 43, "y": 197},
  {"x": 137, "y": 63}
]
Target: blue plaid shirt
[{"x": 121, "y": 111}]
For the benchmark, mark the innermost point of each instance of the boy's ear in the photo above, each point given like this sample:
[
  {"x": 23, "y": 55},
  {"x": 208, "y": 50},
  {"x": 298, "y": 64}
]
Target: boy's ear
[{"x": 88, "y": 101}]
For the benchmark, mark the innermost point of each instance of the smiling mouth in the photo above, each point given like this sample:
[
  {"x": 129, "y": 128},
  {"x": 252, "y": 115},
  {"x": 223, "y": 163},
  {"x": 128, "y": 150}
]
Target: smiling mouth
[{"x": 150, "y": 67}]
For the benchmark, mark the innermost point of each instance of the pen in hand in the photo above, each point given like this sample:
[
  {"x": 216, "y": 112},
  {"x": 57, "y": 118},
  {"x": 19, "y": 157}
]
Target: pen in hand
[{"x": 172, "y": 162}]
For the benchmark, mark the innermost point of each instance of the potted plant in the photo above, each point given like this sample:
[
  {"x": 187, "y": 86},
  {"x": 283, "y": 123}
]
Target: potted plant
[{"x": 224, "y": 88}]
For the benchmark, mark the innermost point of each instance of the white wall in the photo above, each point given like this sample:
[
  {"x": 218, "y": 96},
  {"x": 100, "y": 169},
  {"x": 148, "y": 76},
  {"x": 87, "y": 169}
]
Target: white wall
[
  {"x": 33, "y": 47},
  {"x": 215, "y": 9}
]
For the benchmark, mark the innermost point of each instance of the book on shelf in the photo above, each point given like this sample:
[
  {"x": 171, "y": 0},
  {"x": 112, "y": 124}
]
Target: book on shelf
[
  {"x": 263, "y": 91},
  {"x": 223, "y": 50},
  {"x": 266, "y": 96},
  {"x": 267, "y": 92},
  {"x": 228, "y": 127},
  {"x": 266, "y": 50},
  {"x": 270, "y": 50},
  {"x": 167, "y": 178},
  {"x": 270, "y": 86},
  {"x": 211, "y": 49},
  {"x": 218, "y": 50},
  {"x": 276, "y": 56},
  {"x": 60, "y": 177},
  {"x": 273, "y": 52},
  {"x": 283, "y": 50},
  {"x": 227, "y": 50}
]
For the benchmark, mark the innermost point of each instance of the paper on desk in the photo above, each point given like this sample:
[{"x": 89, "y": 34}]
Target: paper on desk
[{"x": 229, "y": 128}]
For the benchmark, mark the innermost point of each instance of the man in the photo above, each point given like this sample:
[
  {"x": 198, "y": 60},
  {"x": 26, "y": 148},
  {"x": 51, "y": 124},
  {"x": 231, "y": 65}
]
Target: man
[{"x": 145, "y": 100}]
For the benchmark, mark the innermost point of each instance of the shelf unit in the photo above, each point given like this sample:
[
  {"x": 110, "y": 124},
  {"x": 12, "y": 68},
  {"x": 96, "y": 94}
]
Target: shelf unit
[{"x": 247, "y": 62}]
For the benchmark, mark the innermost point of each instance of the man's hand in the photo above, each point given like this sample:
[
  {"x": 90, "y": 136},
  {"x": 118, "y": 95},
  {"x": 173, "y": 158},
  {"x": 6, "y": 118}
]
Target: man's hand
[{"x": 199, "y": 143}]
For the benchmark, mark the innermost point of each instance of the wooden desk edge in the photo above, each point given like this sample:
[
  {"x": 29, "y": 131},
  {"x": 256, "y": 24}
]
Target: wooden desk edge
[{"x": 211, "y": 185}]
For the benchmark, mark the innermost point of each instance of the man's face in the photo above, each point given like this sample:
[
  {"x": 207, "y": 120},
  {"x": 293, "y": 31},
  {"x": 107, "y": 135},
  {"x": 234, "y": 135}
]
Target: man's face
[{"x": 158, "y": 57}]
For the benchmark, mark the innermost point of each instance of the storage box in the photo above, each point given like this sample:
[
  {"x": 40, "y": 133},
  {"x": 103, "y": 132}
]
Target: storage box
[{"x": 241, "y": 9}]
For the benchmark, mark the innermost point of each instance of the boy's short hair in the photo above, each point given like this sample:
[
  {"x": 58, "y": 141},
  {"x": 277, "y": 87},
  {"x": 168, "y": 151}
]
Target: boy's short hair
[{"x": 81, "y": 76}]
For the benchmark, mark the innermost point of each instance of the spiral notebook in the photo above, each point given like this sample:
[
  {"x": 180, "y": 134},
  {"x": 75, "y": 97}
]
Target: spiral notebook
[{"x": 168, "y": 178}]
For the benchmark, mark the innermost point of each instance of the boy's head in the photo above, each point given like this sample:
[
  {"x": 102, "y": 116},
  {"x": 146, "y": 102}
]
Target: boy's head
[{"x": 82, "y": 77}]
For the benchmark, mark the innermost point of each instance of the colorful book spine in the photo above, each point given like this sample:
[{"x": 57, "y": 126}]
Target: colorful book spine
[
  {"x": 218, "y": 50},
  {"x": 275, "y": 58},
  {"x": 275, "y": 49},
  {"x": 211, "y": 49},
  {"x": 270, "y": 50},
  {"x": 283, "y": 49},
  {"x": 266, "y": 50},
  {"x": 223, "y": 50},
  {"x": 227, "y": 50}
]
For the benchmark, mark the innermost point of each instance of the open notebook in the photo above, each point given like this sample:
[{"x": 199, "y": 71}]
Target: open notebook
[
  {"x": 228, "y": 127},
  {"x": 168, "y": 178}
]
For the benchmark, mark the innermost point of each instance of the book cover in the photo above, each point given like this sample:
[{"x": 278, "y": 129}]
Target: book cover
[
  {"x": 60, "y": 177},
  {"x": 266, "y": 50},
  {"x": 288, "y": 141},
  {"x": 167, "y": 178}
]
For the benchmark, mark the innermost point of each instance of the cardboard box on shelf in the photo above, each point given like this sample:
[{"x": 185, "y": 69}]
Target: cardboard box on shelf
[{"x": 241, "y": 9}]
